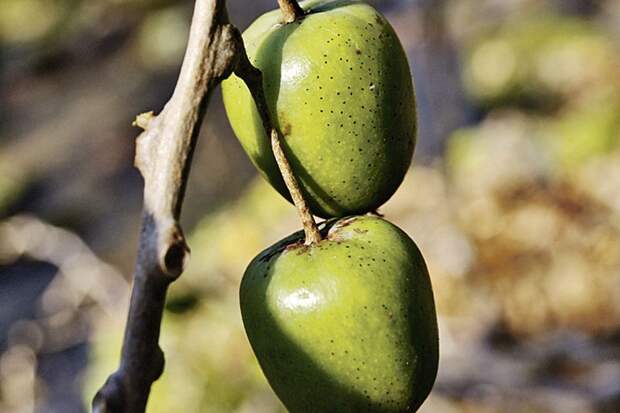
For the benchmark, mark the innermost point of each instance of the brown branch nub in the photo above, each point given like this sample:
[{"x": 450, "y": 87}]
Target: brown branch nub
[{"x": 291, "y": 10}]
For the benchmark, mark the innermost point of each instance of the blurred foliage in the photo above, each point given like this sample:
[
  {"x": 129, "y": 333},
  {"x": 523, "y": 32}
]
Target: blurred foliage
[
  {"x": 541, "y": 61},
  {"x": 519, "y": 217},
  {"x": 548, "y": 247},
  {"x": 11, "y": 188}
]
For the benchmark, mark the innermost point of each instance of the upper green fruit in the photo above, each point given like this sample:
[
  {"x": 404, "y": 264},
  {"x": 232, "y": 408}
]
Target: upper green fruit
[
  {"x": 338, "y": 87},
  {"x": 344, "y": 325}
]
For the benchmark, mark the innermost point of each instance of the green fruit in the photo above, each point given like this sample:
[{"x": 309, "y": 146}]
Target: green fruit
[
  {"x": 345, "y": 325},
  {"x": 338, "y": 87}
]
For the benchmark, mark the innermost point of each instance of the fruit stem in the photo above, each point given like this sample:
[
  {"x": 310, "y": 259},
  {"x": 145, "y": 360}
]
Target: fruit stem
[
  {"x": 310, "y": 228},
  {"x": 253, "y": 78},
  {"x": 291, "y": 10}
]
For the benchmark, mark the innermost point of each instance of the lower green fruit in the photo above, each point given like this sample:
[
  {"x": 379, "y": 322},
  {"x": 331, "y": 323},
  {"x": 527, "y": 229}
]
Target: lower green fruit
[{"x": 345, "y": 325}]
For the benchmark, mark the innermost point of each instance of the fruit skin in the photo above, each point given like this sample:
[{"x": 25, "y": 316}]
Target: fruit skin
[
  {"x": 345, "y": 325},
  {"x": 339, "y": 88}
]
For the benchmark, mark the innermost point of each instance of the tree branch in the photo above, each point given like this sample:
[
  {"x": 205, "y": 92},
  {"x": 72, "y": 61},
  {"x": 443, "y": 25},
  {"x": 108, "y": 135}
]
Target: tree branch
[{"x": 163, "y": 156}]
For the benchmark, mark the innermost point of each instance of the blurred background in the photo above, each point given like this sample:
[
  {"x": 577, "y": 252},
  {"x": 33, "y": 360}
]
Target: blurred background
[{"x": 514, "y": 199}]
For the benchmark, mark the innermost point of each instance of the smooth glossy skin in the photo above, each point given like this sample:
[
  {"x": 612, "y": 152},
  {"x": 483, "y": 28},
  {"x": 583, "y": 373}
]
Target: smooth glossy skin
[
  {"x": 346, "y": 325},
  {"x": 339, "y": 88}
]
